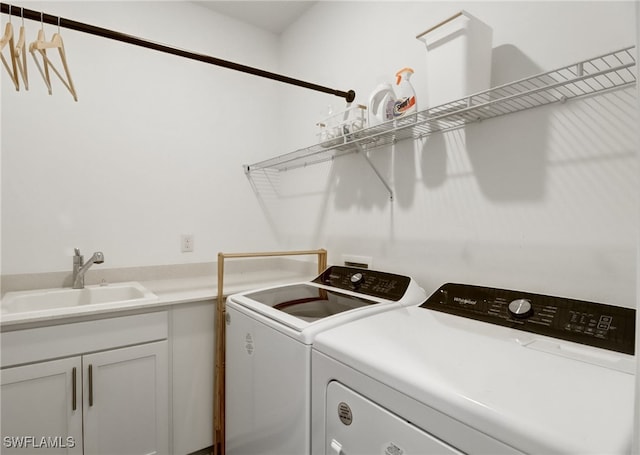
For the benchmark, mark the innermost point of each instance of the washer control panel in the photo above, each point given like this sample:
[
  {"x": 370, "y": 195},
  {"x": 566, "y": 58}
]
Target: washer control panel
[
  {"x": 594, "y": 324},
  {"x": 370, "y": 282}
]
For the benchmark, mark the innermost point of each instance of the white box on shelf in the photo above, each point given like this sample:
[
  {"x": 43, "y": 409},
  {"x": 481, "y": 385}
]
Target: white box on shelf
[{"x": 458, "y": 58}]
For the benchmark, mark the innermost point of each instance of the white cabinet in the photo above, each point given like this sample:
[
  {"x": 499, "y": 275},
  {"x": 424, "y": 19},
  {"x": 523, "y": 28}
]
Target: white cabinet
[
  {"x": 42, "y": 400},
  {"x": 114, "y": 400},
  {"x": 126, "y": 400}
]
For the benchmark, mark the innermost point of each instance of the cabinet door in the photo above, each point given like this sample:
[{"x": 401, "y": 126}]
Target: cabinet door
[
  {"x": 126, "y": 401},
  {"x": 41, "y": 408}
]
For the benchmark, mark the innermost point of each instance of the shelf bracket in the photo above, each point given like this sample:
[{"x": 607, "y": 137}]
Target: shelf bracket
[{"x": 363, "y": 152}]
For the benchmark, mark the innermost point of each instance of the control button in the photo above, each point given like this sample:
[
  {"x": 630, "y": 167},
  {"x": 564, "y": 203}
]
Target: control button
[
  {"x": 520, "y": 308},
  {"x": 605, "y": 322},
  {"x": 357, "y": 278}
]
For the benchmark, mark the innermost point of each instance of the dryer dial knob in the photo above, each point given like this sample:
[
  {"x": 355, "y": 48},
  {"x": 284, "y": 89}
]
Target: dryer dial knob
[
  {"x": 520, "y": 308},
  {"x": 357, "y": 279}
]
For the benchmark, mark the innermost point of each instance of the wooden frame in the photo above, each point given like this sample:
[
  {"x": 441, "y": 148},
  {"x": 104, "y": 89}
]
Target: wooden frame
[{"x": 219, "y": 373}]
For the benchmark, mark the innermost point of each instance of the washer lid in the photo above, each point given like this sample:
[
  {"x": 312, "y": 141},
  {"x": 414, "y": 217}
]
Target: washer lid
[
  {"x": 307, "y": 302},
  {"x": 337, "y": 296}
]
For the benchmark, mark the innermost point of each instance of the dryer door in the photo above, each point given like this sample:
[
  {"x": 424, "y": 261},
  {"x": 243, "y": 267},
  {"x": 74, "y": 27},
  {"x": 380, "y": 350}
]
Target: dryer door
[{"x": 358, "y": 426}]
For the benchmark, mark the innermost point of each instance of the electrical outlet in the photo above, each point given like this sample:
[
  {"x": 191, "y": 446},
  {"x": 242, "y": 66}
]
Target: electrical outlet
[{"x": 187, "y": 243}]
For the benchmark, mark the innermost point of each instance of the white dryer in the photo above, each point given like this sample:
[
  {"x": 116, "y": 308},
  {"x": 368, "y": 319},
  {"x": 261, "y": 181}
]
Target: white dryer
[
  {"x": 269, "y": 334},
  {"x": 477, "y": 370}
]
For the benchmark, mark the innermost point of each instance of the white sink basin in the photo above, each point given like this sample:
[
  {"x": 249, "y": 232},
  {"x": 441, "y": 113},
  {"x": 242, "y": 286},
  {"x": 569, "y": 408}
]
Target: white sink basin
[{"x": 118, "y": 294}]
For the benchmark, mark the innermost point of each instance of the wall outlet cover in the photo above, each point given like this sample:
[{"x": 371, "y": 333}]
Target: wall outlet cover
[{"x": 186, "y": 242}]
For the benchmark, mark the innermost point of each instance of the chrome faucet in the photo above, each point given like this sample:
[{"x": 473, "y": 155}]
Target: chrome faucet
[{"x": 80, "y": 267}]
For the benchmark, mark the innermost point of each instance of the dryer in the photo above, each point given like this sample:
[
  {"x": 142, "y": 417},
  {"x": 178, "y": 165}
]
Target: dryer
[
  {"x": 269, "y": 334},
  {"x": 477, "y": 370}
]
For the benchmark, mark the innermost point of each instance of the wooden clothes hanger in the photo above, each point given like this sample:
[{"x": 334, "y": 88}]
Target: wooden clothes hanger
[
  {"x": 44, "y": 68},
  {"x": 7, "y": 38},
  {"x": 40, "y": 45},
  {"x": 21, "y": 56}
]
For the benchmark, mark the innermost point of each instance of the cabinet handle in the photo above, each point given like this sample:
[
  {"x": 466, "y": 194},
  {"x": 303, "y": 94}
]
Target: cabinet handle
[
  {"x": 73, "y": 386},
  {"x": 90, "y": 385}
]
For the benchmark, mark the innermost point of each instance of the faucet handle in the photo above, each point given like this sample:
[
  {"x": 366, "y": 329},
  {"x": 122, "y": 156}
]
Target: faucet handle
[{"x": 77, "y": 251}]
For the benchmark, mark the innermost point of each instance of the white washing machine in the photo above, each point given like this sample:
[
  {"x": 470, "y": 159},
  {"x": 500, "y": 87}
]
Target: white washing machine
[
  {"x": 269, "y": 334},
  {"x": 477, "y": 370}
]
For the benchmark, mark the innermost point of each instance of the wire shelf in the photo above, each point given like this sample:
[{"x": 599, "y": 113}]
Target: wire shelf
[{"x": 599, "y": 74}]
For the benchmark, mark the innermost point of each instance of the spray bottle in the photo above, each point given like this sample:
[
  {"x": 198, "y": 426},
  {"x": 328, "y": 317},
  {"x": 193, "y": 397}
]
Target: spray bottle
[
  {"x": 386, "y": 104},
  {"x": 406, "y": 97}
]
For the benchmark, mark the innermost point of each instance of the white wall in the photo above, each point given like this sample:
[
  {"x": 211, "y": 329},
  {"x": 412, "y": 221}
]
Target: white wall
[
  {"x": 152, "y": 149},
  {"x": 543, "y": 200}
]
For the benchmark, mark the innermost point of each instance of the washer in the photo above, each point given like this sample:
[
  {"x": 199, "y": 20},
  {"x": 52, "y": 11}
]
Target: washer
[
  {"x": 477, "y": 370},
  {"x": 269, "y": 334}
]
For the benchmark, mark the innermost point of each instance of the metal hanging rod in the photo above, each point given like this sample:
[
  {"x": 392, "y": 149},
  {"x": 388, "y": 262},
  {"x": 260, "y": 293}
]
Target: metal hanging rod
[{"x": 111, "y": 34}]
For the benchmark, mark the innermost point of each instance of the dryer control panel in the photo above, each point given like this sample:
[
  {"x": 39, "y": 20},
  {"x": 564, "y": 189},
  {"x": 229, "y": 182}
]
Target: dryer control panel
[
  {"x": 369, "y": 282},
  {"x": 594, "y": 324}
]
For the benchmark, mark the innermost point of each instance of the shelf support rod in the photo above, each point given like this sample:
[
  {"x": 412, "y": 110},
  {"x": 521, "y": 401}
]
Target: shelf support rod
[{"x": 362, "y": 152}]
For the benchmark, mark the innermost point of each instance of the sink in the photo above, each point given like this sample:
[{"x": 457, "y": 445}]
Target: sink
[{"x": 113, "y": 295}]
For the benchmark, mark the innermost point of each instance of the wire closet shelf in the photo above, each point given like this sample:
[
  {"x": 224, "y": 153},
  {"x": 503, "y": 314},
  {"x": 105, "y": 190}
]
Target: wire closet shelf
[{"x": 599, "y": 74}]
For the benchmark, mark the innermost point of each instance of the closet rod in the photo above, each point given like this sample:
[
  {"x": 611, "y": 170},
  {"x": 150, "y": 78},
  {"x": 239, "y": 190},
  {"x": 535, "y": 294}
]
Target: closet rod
[{"x": 111, "y": 34}]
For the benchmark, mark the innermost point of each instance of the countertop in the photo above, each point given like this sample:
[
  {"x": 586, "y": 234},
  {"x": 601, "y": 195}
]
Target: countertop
[{"x": 169, "y": 292}]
